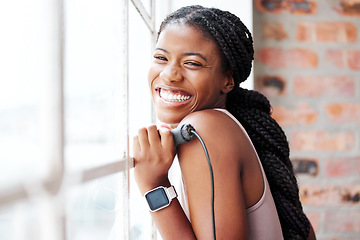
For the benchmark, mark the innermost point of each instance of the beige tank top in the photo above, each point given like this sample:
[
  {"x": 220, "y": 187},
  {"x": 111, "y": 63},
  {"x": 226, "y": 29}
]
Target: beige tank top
[{"x": 262, "y": 218}]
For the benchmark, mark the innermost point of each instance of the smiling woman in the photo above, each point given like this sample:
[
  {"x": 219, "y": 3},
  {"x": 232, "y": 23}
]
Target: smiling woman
[
  {"x": 198, "y": 62},
  {"x": 201, "y": 57},
  {"x": 72, "y": 84}
]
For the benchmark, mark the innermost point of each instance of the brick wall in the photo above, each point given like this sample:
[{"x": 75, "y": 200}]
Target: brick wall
[{"x": 307, "y": 62}]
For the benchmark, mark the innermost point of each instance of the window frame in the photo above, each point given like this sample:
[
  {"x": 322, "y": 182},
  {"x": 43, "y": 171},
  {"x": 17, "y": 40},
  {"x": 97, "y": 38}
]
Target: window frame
[{"x": 52, "y": 184}]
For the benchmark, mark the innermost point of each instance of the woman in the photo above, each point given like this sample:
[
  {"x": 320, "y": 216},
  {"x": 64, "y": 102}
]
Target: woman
[{"x": 201, "y": 57}]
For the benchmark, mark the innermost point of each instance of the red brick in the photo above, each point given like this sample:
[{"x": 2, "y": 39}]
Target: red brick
[
  {"x": 321, "y": 140},
  {"x": 344, "y": 58},
  {"x": 354, "y": 60},
  {"x": 342, "y": 167},
  {"x": 336, "y": 57},
  {"x": 326, "y": 32},
  {"x": 314, "y": 86},
  {"x": 305, "y": 166},
  {"x": 348, "y": 7},
  {"x": 295, "y": 7},
  {"x": 344, "y": 220},
  {"x": 334, "y": 237},
  {"x": 302, "y": 7},
  {"x": 302, "y": 114},
  {"x": 343, "y": 112},
  {"x": 274, "y": 30},
  {"x": 280, "y": 58},
  {"x": 315, "y": 195},
  {"x": 272, "y": 6},
  {"x": 270, "y": 86}
]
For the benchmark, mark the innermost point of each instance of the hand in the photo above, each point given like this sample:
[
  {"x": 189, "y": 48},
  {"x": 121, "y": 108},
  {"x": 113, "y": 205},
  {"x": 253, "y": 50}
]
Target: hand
[{"x": 154, "y": 153}]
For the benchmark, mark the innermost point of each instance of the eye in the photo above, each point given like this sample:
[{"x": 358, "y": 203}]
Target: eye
[
  {"x": 160, "y": 58},
  {"x": 194, "y": 64}
]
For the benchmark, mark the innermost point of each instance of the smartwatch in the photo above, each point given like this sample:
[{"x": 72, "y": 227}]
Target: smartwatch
[{"x": 160, "y": 197}]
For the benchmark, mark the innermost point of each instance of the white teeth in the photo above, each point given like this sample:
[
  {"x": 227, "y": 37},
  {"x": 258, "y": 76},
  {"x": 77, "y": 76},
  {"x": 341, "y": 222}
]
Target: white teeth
[{"x": 168, "y": 96}]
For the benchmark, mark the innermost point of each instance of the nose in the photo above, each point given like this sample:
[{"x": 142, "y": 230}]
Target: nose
[{"x": 171, "y": 73}]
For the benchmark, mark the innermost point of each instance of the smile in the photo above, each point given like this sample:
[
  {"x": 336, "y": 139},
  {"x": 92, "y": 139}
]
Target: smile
[{"x": 173, "y": 96}]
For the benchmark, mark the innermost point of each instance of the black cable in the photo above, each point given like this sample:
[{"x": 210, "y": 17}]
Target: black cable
[{"x": 212, "y": 179}]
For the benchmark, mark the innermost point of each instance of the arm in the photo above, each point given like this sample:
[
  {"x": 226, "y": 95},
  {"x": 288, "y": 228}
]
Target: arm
[
  {"x": 230, "y": 213},
  {"x": 153, "y": 157}
]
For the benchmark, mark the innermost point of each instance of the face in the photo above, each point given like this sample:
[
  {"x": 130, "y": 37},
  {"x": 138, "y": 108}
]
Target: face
[{"x": 186, "y": 74}]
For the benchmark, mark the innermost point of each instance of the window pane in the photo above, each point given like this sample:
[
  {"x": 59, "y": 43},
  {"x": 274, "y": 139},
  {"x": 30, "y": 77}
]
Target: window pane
[
  {"x": 147, "y": 5},
  {"x": 140, "y": 55},
  {"x": 94, "y": 209},
  {"x": 29, "y": 60},
  {"x": 37, "y": 219},
  {"x": 91, "y": 83}
]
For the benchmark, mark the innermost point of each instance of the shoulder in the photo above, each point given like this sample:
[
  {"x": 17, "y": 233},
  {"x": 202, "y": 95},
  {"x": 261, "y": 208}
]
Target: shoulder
[
  {"x": 221, "y": 134},
  {"x": 227, "y": 147},
  {"x": 210, "y": 120}
]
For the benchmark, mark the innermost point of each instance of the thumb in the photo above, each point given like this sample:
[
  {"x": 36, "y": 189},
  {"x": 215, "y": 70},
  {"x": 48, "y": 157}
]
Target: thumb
[{"x": 167, "y": 139}]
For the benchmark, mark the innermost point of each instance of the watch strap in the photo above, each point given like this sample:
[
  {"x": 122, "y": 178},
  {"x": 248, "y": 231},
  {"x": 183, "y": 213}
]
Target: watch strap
[{"x": 171, "y": 192}]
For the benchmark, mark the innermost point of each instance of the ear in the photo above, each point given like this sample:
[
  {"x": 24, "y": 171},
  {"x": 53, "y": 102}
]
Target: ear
[{"x": 228, "y": 83}]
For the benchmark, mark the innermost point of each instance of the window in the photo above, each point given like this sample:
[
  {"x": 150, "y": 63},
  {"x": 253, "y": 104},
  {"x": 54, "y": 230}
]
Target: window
[
  {"x": 73, "y": 81},
  {"x": 65, "y": 112}
]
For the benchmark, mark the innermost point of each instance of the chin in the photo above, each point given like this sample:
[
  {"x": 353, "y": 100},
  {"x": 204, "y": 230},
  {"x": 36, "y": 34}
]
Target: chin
[{"x": 169, "y": 118}]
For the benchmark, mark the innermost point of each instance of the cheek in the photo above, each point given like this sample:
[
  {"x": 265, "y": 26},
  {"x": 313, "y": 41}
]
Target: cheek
[
  {"x": 152, "y": 73},
  {"x": 204, "y": 92},
  {"x": 156, "y": 68},
  {"x": 208, "y": 85}
]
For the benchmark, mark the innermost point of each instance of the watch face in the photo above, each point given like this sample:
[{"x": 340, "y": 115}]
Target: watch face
[{"x": 157, "y": 199}]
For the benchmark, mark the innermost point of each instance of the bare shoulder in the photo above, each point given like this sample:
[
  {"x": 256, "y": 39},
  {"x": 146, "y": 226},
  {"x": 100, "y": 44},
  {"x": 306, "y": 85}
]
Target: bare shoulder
[
  {"x": 208, "y": 116},
  {"x": 222, "y": 137},
  {"x": 210, "y": 121},
  {"x": 217, "y": 129}
]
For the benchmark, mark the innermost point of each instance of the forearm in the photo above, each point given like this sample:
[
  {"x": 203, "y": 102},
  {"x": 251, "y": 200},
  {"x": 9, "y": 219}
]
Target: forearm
[
  {"x": 153, "y": 156},
  {"x": 172, "y": 222}
]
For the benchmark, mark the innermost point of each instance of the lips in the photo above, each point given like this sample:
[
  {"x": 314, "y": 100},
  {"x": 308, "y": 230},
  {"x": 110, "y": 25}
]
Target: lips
[{"x": 173, "y": 95}]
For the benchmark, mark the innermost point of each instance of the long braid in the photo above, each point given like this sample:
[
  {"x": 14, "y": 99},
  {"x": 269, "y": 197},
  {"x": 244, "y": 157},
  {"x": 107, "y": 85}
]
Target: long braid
[{"x": 252, "y": 110}]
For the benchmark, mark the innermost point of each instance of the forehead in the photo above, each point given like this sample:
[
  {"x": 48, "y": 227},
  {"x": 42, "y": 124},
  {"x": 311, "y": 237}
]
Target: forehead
[{"x": 185, "y": 37}]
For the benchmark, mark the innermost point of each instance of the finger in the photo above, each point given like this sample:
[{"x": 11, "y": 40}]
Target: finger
[
  {"x": 132, "y": 162},
  {"x": 154, "y": 137},
  {"x": 167, "y": 139},
  {"x": 143, "y": 139},
  {"x": 136, "y": 146}
]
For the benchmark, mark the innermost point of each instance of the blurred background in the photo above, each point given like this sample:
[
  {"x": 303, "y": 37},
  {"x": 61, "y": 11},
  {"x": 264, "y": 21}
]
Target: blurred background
[{"x": 73, "y": 92}]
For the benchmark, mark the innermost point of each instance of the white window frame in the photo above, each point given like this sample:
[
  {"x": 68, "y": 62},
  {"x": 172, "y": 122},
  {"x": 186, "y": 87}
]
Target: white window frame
[
  {"x": 52, "y": 184},
  {"x": 60, "y": 175}
]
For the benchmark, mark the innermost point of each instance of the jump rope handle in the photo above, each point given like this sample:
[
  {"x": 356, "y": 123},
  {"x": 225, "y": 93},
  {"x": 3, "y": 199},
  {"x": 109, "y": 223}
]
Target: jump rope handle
[{"x": 183, "y": 134}]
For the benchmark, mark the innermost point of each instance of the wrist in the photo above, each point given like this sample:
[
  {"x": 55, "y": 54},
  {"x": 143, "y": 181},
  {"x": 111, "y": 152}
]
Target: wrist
[
  {"x": 160, "y": 197},
  {"x": 145, "y": 187}
]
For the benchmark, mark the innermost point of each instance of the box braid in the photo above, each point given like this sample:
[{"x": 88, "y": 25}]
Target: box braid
[{"x": 252, "y": 109}]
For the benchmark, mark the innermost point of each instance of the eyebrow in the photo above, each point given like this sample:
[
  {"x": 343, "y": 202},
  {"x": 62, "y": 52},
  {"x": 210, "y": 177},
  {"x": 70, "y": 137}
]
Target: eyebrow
[{"x": 186, "y": 54}]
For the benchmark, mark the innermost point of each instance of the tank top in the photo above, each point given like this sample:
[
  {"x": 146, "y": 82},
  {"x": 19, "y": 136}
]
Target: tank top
[{"x": 262, "y": 218}]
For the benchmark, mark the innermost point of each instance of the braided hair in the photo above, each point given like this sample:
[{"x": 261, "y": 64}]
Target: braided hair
[{"x": 252, "y": 109}]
